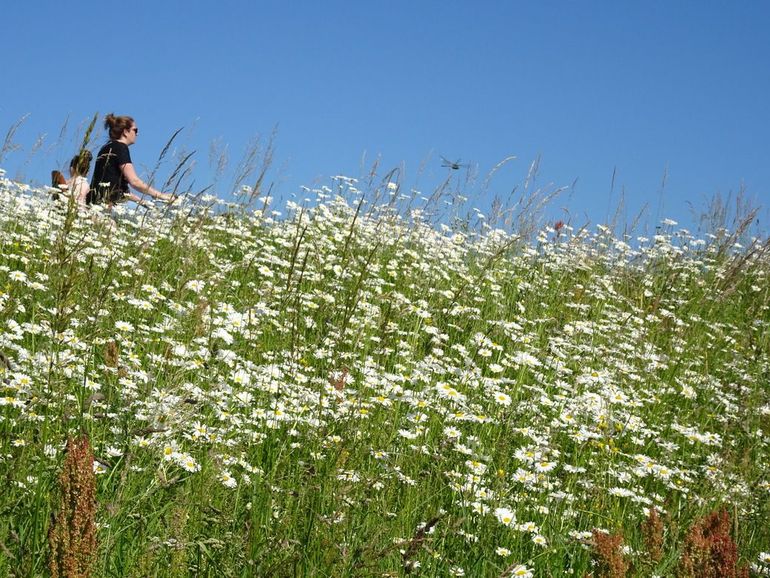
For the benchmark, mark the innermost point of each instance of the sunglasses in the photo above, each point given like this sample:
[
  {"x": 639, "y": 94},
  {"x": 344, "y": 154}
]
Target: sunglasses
[{"x": 136, "y": 130}]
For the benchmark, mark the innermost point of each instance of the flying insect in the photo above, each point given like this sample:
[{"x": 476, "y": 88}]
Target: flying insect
[{"x": 452, "y": 165}]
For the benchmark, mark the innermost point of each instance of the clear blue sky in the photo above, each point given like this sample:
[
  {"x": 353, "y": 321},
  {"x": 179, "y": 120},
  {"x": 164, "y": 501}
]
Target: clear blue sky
[{"x": 638, "y": 87}]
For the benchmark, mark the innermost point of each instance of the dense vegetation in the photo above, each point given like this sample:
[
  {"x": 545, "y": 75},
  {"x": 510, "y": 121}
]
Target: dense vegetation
[{"x": 350, "y": 390}]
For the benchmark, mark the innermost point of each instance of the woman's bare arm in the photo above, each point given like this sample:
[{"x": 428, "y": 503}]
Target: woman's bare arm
[{"x": 133, "y": 179}]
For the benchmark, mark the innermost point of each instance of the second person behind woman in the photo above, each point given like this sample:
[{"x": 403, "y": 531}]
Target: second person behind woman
[
  {"x": 114, "y": 171},
  {"x": 78, "y": 183}
]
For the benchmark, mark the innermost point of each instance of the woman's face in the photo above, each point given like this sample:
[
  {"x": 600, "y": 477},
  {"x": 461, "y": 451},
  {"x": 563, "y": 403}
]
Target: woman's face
[{"x": 130, "y": 134}]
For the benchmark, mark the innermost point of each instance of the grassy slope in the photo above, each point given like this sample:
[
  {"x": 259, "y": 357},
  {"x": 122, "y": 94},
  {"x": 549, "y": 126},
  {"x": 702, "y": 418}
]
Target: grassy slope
[{"x": 352, "y": 393}]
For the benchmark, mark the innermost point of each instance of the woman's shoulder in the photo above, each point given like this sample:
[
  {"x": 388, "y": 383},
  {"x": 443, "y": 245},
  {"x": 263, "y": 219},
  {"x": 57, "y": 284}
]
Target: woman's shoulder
[
  {"x": 113, "y": 145},
  {"x": 76, "y": 181}
]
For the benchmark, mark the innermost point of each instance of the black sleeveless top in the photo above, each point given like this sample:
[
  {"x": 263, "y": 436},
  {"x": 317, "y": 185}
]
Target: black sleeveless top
[{"x": 108, "y": 183}]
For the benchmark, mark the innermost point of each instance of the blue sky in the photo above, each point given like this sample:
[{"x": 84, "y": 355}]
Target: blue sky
[{"x": 641, "y": 89}]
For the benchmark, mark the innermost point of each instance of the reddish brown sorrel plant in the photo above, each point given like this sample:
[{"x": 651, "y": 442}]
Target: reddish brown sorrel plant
[
  {"x": 652, "y": 530},
  {"x": 709, "y": 550},
  {"x": 608, "y": 554},
  {"x": 72, "y": 535}
]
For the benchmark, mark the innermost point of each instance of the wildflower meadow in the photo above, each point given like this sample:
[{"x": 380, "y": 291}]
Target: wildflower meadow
[{"x": 354, "y": 387}]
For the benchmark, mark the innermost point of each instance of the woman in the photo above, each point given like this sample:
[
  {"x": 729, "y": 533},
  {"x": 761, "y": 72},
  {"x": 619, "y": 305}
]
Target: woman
[
  {"x": 78, "y": 183},
  {"x": 114, "y": 171}
]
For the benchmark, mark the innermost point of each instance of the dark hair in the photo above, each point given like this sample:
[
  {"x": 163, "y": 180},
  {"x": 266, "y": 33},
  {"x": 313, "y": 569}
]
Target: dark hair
[
  {"x": 117, "y": 124},
  {"x": 81, "y": 162}
]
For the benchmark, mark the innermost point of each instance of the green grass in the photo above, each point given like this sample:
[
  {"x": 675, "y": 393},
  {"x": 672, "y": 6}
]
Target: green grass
[{"x": 350, "y": 392}]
